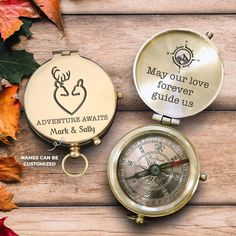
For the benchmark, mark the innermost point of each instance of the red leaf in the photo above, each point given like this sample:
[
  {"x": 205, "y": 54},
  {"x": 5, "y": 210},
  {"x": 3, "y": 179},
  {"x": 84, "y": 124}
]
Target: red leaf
[
  {"x": 10, "y": 11},
  {"x": 52, "y": 10},
  {"x": 4, "y": 230}
]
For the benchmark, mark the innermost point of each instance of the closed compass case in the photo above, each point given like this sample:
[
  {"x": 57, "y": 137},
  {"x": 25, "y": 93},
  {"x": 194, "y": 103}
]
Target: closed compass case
[{"x": 70, "y": 98}]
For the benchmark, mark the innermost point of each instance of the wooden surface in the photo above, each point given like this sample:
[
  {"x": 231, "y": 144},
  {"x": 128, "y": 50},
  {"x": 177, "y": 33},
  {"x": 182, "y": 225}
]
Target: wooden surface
[
  {"x": 109, "y": 221},
  {"x": 48, "y": 183},
  {"x": 147, "y": 6},
  {"x": 111, "y": 32},
  {"x": 113, "y": 42}
]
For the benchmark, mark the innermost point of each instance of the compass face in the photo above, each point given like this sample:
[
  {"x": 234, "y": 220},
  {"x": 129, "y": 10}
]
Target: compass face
[{"x": 153, "y": 170}]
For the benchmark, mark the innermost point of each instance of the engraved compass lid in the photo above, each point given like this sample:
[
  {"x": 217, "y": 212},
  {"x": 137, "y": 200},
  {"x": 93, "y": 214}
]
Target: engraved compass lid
[
  {"x": 70, "y": 98},
  {"x": 71, "y": 101},
  {"x": 178, "y": 73}
]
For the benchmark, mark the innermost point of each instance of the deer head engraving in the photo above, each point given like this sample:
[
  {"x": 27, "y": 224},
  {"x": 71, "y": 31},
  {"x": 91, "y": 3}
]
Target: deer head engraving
[
  {"x": 69, "y": 95},
  {"x": 79, "y": 88},
  {"x": 60, "y": 79}
]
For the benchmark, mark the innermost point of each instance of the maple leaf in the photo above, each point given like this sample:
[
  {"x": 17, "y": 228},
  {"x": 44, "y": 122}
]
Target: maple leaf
[
  {"x": 9, "y": 113},
  {"x": 6, "y": 203},
  {"x": 10, "y": 11},
  {"x": 52, "y": 10},
  {"x": 10, "y": 170},
  {"x": 14, "y": 63},
  {"x": 4, "y": 230}
]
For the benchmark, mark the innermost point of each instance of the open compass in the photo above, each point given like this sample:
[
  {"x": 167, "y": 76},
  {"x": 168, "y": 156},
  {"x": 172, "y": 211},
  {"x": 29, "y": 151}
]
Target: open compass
[{"x": 154, "y": 170}]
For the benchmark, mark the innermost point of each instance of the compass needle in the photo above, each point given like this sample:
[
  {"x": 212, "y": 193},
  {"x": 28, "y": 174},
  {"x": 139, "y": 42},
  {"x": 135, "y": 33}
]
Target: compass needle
[
  {"x": 173, "y": 164},
  {"x": 138, "y": 175}
]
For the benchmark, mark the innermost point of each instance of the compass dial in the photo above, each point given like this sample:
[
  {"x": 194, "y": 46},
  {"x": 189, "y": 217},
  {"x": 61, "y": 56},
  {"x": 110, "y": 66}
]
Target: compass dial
[{"x": 153, "y": 170}]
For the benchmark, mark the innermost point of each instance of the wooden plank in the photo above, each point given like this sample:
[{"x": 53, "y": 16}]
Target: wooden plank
[
  {"x": 147, "y": 6},
  {"x": 108, "y": 221},
  {"x": 212, "y": 133},
  {"x": 113, "y": 42}
]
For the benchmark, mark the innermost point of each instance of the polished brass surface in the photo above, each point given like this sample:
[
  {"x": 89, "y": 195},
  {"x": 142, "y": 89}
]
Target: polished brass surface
[
  {"x": 70, "y": 98},
  {"x": 203, "y": 176},
  {"x": 139, "y": 219},
  {"x": 178, "y": 73},
  {"x": 165, "y": 120},
  {"x": 134, "y": 197},
  {"x": 74, "y": 174}
]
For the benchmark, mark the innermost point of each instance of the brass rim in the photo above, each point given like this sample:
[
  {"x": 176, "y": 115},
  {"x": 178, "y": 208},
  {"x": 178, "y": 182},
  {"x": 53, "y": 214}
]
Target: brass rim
[{"x": 190, "y": 186}]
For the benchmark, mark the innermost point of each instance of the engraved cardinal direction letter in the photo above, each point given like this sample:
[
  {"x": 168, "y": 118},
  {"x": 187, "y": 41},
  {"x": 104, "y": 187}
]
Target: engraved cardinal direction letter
[{"x": 68, "y": 95}]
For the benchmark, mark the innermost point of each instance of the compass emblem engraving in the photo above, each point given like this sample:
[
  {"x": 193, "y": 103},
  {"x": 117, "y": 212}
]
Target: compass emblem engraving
[
  {"x": 183, "y": 56},
  {"x": 69, "y": 98}
]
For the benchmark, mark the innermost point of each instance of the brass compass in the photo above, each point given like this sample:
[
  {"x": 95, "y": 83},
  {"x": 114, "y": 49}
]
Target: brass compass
[
  {"x": 71, "y": 101},
  {"x": 154, "y": 170}
]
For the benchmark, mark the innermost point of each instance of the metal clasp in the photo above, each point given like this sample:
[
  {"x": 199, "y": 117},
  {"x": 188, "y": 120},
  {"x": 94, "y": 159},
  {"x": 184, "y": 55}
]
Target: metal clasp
[
  {"x": 165, "y": 120},
  {"x": 65, "y": 52}
]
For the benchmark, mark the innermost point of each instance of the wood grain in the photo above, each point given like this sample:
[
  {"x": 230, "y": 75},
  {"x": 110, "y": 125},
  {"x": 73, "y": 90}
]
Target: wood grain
[
  {"x": 109, "y": 221},
  {"x": 113, "y": 42},
  {"x": 147, "y": 6},
  {"x": 212, "y": 133}
]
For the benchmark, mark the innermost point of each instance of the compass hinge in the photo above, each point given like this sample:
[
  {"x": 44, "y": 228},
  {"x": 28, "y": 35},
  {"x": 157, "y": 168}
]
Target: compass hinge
[
  {"x": 165, "y": 120},
  {"x": 65, "y": 52}
]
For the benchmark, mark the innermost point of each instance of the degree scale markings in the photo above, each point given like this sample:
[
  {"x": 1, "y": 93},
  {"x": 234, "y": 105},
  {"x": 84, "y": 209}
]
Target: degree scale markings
[{"x": 140, "y": 185}]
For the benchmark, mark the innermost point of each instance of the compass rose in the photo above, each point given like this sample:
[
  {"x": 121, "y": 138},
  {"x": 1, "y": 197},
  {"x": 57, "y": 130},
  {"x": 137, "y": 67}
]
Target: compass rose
[{"x": 183, "y": 56}]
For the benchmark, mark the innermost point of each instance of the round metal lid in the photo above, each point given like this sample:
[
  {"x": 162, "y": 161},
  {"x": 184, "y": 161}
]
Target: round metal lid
[
  {"x": 178, "y": 73},
  {"x": 70, "y": 99}
]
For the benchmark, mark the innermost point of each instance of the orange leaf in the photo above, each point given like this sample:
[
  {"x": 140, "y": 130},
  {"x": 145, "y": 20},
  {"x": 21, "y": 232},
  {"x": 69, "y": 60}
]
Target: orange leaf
[
  {"x": 52, "y": 10},
  {"x": 10, "y": 11},
  {"x": 6, "y": 203},
  {"x": 10, "y": 170},
  {"x": 9, "y": 113}
]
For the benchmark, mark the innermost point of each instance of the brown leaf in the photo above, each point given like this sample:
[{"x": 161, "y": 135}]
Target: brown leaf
[
  {"x": 6, "y": 203},
  {"x": 52, "y": 10},
  {"x": 9, "y": 113},
  {"x": 10, "y": 11},
  {"x": 10, "y": 170}
]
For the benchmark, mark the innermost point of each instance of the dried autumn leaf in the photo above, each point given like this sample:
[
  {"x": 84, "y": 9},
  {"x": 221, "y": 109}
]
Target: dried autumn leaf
[
  {"x": 4, "y": 230},
  {"x": 52, "y": 10},
  {"x": 10, "y": 170},
  {"x": 9, "y": 113},
  {"x": 6, "y": 203},
  {"x": 10, "y": 11}
]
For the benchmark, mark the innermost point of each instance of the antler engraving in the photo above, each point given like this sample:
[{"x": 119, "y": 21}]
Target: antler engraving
[{"x": 58, "y": 77}]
